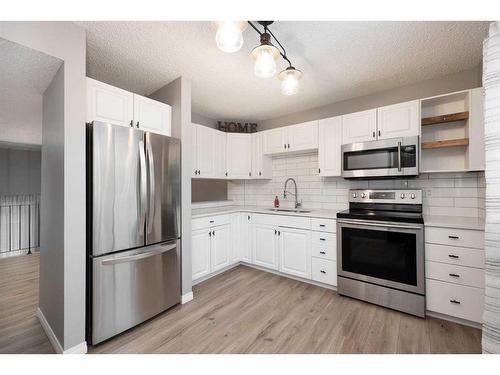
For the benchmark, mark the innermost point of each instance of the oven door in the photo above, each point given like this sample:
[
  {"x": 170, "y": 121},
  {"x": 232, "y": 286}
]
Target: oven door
[
  {"x": 382, "y": 253},
  {"x": 386, "y": 158}
]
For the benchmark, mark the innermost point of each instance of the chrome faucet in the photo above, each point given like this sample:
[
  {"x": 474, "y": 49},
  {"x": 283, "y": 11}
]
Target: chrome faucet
[{"x": 297, "y": 203}]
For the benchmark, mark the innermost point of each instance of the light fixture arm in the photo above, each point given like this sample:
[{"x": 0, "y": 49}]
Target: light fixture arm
[{"x": 265, "y": 24}]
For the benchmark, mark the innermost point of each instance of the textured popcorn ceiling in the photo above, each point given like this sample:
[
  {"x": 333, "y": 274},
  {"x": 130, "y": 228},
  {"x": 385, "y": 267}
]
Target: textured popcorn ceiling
[
  {"x": 340, "y": 60},
  {"x": 24, "y": 76}
]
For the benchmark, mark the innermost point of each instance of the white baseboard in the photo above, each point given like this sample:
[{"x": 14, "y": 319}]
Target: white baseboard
[
  {"x": 77, "y": 349},
  {"x": 185, "y": 298}
]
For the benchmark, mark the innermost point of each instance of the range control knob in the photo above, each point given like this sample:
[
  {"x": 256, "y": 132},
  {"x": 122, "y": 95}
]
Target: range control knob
[
  {"x": 363, "y": 195},
  {"x": 412, "y": 195},
  {"x": 402, "y": 195},
  {"x": 354, "y": 195}
]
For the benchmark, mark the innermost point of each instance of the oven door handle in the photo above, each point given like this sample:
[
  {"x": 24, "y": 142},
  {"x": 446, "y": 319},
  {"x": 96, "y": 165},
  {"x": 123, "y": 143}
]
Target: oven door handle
[
  {"x": 375, "y": 224},
  {"x": 399, "y": 156}
]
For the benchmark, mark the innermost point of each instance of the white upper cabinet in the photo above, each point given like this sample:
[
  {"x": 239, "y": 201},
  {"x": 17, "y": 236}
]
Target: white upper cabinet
[
  {"x": 219, "y": 155},
  {"x": 151, "y": 115},
  {"x": 239, "y": 156},
  {"x": 110, "y": 104},
  {"x": 359, "y": 126},
  {"x": 275, "y": 141},
  {"x": 209, "y": 152},
  {"x": 295, "y": 252},
  {"x": 398, "y": 120},
  {"x": 261, "y": 164},
  {"x": 302, "y": 137},
  {"x": 330, "y": 143},
  {"x": 476, "y": 129}
]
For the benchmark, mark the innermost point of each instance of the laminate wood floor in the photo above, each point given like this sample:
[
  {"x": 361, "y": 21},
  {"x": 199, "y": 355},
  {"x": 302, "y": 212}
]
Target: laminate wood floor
[{"x": 243, "y": 310}]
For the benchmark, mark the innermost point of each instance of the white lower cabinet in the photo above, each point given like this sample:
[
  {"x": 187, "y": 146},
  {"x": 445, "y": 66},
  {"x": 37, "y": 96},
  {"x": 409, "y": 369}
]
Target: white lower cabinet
[
  {"x": 220, "y": 253},
  {"x": 246, "y": 237},
  {"x": 295, "y": 252},
  {"x": 200, "y": 253},
  {"x": 324, "y": 271},
  {"x": 265, "y": 246}
]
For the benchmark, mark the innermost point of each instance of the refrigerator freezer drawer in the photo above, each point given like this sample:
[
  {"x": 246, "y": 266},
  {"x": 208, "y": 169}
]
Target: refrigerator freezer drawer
[{"x": 133, "y": 286}]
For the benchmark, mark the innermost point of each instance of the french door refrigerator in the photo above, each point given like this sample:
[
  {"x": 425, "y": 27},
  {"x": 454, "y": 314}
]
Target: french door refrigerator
[{"x": 133, "y": 227}]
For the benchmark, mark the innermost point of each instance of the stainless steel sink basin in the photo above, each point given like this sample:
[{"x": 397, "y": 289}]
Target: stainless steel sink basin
[{"x": 295, "y": 210}]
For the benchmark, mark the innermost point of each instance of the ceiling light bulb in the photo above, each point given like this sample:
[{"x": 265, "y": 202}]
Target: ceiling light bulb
[
  {"x": 265, "y": 57},
  {"x": 229, "y": 36},
  {"x": 290, "y": 80}
]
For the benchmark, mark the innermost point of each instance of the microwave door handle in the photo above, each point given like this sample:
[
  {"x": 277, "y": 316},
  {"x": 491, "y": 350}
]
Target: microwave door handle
[
  {"x": 142, "y": 187},
  {"x": 152, "y": 194},
  {"x": 399, "y": 156}
]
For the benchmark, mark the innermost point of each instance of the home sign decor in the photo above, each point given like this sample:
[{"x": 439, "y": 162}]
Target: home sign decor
[{"x": 237, "y": 127}]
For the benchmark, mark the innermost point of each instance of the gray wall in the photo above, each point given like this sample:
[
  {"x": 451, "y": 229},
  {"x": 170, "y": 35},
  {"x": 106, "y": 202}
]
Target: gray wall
[
  {"x": 52, "y": 203},
  {"x": 178, "y": 95},
  {"x": 19, "y": 171},
  {"x": 208, "y": 190},
  {"x": 63, "y": 214},
  {"x": 203, "y": 120},
  {"x": 454, "y": 82}
]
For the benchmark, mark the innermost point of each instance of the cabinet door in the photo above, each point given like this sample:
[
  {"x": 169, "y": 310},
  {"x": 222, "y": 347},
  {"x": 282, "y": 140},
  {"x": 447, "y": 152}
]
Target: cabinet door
[
  {"x": 265, "y": 246},
  {"x": 219, "y": 155},
  {"x": 239, "y": 156},
  {"x": 476, "y": 129},
  {"x": 236, "y": 235},
  {"x": 330, "y": 142},
  {"x": 205, "y": 144},
  {"x": 295, "y": 252},
  {"x": 153, "y": 116},
  {"x": 398, "y": 120},
  {"x": 200, "y": 254},
  {"x": 275, "y": 141},
  {"x": 194, "y": 150},
  {"x": 246, "y": 237},
  {"x": 221, "y": 246},
  {"x": 359, "y": 127},
  {"x": 261, "y": 164},
  {"x": 303, "y": 137},
  {"x": 109, "y": 104}
]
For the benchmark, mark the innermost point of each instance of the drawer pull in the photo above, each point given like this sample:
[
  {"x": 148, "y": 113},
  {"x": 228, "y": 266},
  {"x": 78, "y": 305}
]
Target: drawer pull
[
  {"x": 455, "y": 301},
  {"x": 322, "y": 225},
  {"x": 454, "y": 237},
  {"x": 453, "y": 256},
  {"x": 322, "y": 239},
  {"x": 211, "y": 221},
  {"x": 454, "y": 275},
  {"x": 322, "y": 252},
  {"x": 322, "y": 271}
]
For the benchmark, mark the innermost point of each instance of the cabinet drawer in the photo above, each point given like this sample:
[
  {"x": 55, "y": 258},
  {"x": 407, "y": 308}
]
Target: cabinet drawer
[
  {"x": 456, "y": 300},
  {"x": 461, "y": 256},
  {"x": 324, "y": 271},
  {"x": 455, "y": 237},
  {"x": 210, "y": 221},
  {"x": 324, "y": 251},
  {"x": 324, "y": 225},
  {"x": 323, "y": 238},
  {"x": 455, "y": 274}
]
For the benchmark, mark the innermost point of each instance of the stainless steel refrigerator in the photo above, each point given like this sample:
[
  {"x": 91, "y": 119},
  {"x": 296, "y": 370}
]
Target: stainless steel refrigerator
[{"x": 133, "y": 227}]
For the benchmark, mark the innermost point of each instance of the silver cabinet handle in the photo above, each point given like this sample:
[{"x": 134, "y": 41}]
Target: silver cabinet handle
[
  {"x": 132, "y": 258},
  {"x": 143, "y": 187},
  {"x": 152, "y": 189}
]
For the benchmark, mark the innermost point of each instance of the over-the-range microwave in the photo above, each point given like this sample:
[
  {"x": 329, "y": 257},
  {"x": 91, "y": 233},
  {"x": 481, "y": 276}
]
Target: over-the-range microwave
[{"x": 395, "y": 157}]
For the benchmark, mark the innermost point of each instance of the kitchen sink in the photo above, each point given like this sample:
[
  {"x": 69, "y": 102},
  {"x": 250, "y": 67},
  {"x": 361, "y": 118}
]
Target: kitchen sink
[{"x": 296, "y": 210}]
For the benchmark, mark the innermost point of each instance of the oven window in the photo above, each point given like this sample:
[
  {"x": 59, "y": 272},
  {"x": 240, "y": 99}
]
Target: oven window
[{"x": 385, "y": 255}]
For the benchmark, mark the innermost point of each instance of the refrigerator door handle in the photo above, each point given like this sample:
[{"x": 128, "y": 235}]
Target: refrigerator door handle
[
  {"x": 132, "y": 258},
  {"x": 143, "y": 187},
  {"x": 151, "y": 212}
]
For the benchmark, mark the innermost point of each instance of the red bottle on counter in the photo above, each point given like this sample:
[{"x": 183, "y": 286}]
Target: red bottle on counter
[{"x": 276, "y": 202}]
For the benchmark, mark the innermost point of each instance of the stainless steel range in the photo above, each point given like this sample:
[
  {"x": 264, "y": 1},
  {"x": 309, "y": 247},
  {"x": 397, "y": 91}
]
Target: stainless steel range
[{"x": 380, "y": 249}]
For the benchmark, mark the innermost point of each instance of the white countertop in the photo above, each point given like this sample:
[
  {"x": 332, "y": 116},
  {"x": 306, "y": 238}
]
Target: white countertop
[
  {"x": 207, "y": 211},
  {"x": 460, "y": 222}
]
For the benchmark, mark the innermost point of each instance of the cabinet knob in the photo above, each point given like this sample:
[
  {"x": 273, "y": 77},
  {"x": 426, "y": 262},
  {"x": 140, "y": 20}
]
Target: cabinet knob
[
  {"x": 210, "y": 234},
  {"x": 379, "y": 133},
  {"x": 455, "y": 301},
  {"x": 453, "y": 256},
  {"x": 453, "y": 237},
  {"x": 260, "y": 173},
  {"x": 289, "y": 145},
  {"x": 131, "y": 123},
  {"x": 322, "y": 252},
  {"x": 323, "y": 271},
  {"x": 373, "y": 134},
  {"x": 454, "y": 275},
  {"x": 137, "y": 125}
]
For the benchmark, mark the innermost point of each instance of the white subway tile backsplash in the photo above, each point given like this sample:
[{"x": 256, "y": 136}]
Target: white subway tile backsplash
[{"x": 449, "y": 194}]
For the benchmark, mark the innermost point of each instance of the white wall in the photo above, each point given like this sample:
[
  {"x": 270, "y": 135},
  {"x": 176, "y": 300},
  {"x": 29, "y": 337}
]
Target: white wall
[
  {"x": 178, "y": 95},
  {"x": 452, "y": 194},
  {"x": 64, "y": 196}
]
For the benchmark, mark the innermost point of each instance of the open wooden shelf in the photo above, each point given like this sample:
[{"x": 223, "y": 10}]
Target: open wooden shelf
[
  {"x": 447, "y": 143},
  {"x": 445, "y": 118}
]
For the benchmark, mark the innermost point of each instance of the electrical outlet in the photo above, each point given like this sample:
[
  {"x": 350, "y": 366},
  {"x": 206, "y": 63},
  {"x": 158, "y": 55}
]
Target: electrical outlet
[{"x": 428, "y": 193}]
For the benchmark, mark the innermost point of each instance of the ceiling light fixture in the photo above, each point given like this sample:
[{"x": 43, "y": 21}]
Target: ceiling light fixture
[{"x": 229, "y": 38}]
